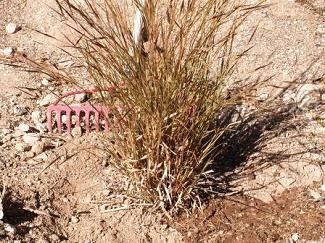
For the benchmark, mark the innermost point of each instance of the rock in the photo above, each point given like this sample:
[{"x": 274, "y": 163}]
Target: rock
[
  {"x": 45, "y": 82},
  {"x": 315, "y": 195},
  {"x": 17, "y": 134},
  {"x": 29, "y": 154},
  {"x": 41, "y": 127},
  {"x": 12, "y": 28},
  {"x": 22, "y": 147},
  {"x": 48, "y": 100},
  {"x": 38, "y": 159},
  {"x": 31, "y": 138},
  {"x": 8, "y": 51},
  {"x": 20, "y": 110},
  {"x": 10, "y": 229},
  {"x": 38, "y": 147},
  {"x": 295, "y": 237},
  {"x": 38, "y": 117},
  {"x": 6, "y": 131},
  {"x": 74, "y": 219},
  {"x": 64, "y": 119},
  {"x": 80, "y": 98},
  {"x": 323, "y": 187},
  {"x": 76, "y": 132},
  {"x": 23, "y": 127},
  {"x": 55, "y": 238}
]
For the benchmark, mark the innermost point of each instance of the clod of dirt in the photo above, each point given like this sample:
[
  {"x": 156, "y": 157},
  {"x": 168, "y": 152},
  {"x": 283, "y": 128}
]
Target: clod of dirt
[
  {"x": 8, "y": 51},
  {"x": 31, "y": 138},
  {"x": 38, "y": 147},
  {"x": 19, "y": 110},
  {"x": 12, "y": 28}
]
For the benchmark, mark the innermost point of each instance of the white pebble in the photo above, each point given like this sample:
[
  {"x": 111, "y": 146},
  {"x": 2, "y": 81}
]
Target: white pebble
[
  {"x": 11, "y": 28},
  {"x": 31, "y": 138},
  {"x": 74, "y": 219},
  {"x": 23, "y": 127},
  {"x": 295, "y": 237},
  {"x": 48, "y": 100},
  {"x": 45, "y": 82},
  {"x": 8, "y": 51},
  {"x": 80, "y": 97}
]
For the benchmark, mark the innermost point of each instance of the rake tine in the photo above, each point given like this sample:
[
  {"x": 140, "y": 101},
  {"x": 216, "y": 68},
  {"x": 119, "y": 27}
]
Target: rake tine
[
  {"x": 97, "y": 121},
  {"x": 87, "y": 120},
  {"x": 68, "y": 114},
  {"x": 77, "y": 118},
  {"x": 59, "y": 121},
  {"x": 49, "y": 120}
]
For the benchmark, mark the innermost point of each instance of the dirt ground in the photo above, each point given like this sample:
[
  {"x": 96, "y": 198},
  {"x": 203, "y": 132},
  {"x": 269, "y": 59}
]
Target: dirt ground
[{"x": 275, "y": 181}]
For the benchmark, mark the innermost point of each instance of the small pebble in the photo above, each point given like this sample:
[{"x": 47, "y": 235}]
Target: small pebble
[
  {"x": 31, "y": 138},
  {"x": 81, "y": 98},
  {"x": 54, "y": 238},
  {"x": 47, "y": 100},
  {"x": 323, "y": 187},
  {"x": 45, "y": 82},
  {"x": 22, "y": 147},
  {"x": 41, "y": 127},
  {"x": 38, "y": 147},
  {"x": 29, "y": 154},
  {"x": 8, "y": 51},
  {"x": 76, "y": 132},
  {"x": 295, "y": 237},
  {"x": 38, "y": 117},
  {"x": 20, "y": 110},
  {"x": 23, "y": 127},
  {"x": 12, "y": 28},
  {"x": 10, "y": 229},
  {"x": 74, "y": 219}
]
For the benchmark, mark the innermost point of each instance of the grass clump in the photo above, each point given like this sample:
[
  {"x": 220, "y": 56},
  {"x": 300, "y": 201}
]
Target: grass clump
[{"x": 168, "y": 88}]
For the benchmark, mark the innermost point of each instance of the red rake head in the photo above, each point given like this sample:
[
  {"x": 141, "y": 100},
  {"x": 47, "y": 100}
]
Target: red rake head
[{"x": 82, "y": 112}]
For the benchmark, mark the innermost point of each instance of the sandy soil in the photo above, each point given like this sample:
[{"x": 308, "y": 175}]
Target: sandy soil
[{"x": 276, "y": 168}]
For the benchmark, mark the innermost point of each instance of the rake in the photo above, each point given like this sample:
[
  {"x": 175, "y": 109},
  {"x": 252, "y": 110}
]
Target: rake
[{"x": 80, "y": 111}]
